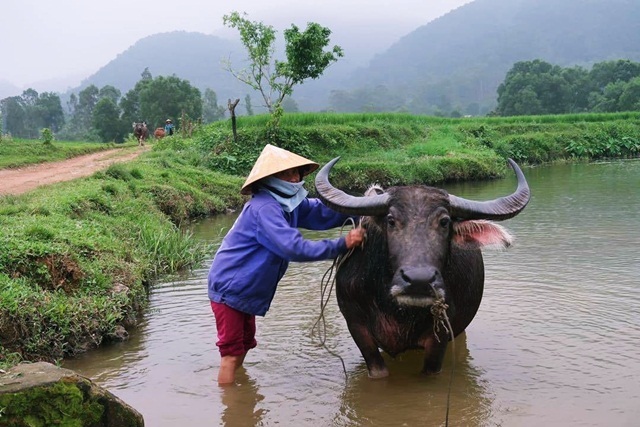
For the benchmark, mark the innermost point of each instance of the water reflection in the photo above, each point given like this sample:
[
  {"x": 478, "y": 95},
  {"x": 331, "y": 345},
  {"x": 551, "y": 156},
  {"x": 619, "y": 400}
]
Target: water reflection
[
  {"x": 240, "y": 401},
  {"x": 456, "y": 395}
]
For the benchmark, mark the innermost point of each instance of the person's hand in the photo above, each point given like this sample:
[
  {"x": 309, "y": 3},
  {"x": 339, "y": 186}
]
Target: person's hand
[{"x": 355, "y": 237}]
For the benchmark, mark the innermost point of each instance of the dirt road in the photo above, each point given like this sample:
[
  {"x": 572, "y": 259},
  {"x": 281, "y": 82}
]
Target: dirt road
[{"x": 21, "y": 180}]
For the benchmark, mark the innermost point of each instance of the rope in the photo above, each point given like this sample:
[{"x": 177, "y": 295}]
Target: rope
[
  {"x": 440, "y": 318},
  {"x": 327, "y": 283}
]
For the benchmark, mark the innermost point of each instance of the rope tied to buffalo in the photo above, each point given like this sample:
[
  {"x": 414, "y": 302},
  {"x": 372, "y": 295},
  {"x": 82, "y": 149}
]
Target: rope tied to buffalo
[
  {"x": 327, "y": 283},
  {"x": 440, "y": 319}
]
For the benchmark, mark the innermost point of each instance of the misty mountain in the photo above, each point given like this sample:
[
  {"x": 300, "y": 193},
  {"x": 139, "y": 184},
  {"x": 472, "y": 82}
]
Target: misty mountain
[
  {"x": 195, "y": 57},
  {"x": 454, "y": 62},
  {"x": 462, "y": 57}
]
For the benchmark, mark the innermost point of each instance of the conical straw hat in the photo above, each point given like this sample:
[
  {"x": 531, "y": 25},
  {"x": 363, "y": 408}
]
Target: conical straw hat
[{"x": 273, "y": 160}]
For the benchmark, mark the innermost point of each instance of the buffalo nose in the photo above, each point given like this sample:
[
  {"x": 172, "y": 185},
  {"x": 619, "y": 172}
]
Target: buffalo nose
[{"x": 421, "y": 276}]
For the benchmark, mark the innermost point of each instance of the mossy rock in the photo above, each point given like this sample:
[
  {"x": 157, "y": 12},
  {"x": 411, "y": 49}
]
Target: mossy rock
[{"x": 41, "y": 395}]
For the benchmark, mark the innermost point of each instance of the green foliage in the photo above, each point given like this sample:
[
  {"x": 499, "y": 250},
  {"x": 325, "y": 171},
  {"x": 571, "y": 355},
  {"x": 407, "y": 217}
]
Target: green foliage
[
  {"x": 164, "y": 97},
  {"x": 46, "y": 136},
  {"x": 106, "y": 121},
  {"x": 172, "y": 249},
  {"x": 25, "y": 115},
  {"x": 211, "y": 111},
  {"x": 537, "y": 87},
  {"x": 306, "y": 58}
]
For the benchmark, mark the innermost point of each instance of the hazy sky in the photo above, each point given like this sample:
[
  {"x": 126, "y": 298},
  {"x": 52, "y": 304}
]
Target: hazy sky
[{"x": 56, "y": 39}]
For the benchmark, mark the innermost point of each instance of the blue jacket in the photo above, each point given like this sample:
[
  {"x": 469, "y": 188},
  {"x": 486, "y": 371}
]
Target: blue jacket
[{"x": 255, "y": 253}]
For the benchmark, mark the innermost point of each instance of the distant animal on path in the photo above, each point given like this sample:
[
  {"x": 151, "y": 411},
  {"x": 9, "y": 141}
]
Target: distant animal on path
[
  {"x": 159, "y": 133},
  {"x": 140, "y": 131},
  {"x": 421, "y": 264}
]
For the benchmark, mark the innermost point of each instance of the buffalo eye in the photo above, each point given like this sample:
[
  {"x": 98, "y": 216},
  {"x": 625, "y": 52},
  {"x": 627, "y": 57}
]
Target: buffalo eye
[
  {"x": 445, "y": 221},
  {"x": 391, "y": 221}
]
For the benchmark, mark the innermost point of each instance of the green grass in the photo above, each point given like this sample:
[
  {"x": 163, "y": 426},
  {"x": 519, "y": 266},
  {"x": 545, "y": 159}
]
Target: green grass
[
  {"x": 76, "y": 258},
  {"x": 15, "y": 153}
]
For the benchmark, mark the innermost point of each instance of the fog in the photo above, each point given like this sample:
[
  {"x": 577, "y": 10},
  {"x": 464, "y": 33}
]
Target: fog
[{"x": 52, "y": 46}]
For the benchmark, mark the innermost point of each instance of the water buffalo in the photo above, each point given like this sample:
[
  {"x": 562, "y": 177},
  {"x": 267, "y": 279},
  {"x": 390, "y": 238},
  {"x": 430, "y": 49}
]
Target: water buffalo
[
  {"x": 159, "y": 133},
  {"x": 140, "y": 131},
  {"x": 422, "y": 250}
]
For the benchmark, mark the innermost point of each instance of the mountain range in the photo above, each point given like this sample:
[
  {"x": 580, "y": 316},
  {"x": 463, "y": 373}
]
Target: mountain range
[{"x": 456, "y": 61}]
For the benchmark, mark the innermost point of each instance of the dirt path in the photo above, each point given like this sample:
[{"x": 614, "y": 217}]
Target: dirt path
[{"x": 21, "y": 180}]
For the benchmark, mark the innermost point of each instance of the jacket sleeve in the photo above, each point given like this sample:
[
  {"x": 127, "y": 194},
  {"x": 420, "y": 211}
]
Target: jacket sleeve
[
  {"x": 275, "y": 233},
  {"x": 315, "y": 215}
]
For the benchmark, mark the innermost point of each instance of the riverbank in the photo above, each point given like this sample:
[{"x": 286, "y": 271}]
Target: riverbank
[{"x": 77, "y": 258}]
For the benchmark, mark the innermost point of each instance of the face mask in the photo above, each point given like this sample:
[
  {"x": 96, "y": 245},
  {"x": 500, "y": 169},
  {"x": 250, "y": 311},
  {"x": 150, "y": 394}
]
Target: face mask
[{"x": 288, "y": 194}]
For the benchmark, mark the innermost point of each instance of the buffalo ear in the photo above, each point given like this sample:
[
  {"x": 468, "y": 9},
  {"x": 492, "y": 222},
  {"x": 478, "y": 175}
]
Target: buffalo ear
[{"x": 476, "y": 234}]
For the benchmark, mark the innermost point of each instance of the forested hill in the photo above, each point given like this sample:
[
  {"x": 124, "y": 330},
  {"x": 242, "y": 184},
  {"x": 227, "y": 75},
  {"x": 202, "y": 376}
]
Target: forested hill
[
  {"x": 461, "y": 58},
  {"x": 454, "y": 63}
]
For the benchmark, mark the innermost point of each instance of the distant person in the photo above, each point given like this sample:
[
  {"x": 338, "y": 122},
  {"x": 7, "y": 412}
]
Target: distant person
[{"x": 168, "y": 127}]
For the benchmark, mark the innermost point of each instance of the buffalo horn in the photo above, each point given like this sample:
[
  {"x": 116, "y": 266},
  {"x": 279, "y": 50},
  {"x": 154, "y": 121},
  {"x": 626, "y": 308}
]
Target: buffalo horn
[
  {"x": 342, "y": 202},
  {"x": 497, "y": 209}
]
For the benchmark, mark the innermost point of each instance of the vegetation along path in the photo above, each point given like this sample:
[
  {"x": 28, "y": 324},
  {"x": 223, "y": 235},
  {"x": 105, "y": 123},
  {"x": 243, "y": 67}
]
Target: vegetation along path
[{"x": 21, "y": 180}]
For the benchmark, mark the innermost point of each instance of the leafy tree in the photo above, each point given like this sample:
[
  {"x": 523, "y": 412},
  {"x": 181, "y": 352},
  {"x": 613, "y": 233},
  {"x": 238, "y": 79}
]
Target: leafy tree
[
  {"x": 169, "y": 97},
  {"x": 630, "y": 96},
  {"x": 305, "y": 54},
  {"x": 608, "y": 100},
  {"x": 130, "y": 102},
  {"x": 110, "y": 92},
  {"x": 14, "y": 116},
  {"x": 579, "y": 86},
  {"x": 606, "y": 72},
  {"x": 27, "y": 114},
  {"x": 87, "y": 100},
  {"x": 49, "y": 111},
  {"x": 106, "y": 121},
  {"x": 533, "y": 87},
  {"x": 211, "y": 111}
]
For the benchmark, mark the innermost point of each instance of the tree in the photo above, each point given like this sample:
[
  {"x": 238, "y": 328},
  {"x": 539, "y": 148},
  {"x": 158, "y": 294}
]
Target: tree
[
  {"x": 14, "y": 116},
  {"x": 87, "y": 100},
  {"x": 305, "y": 54},
  {"x": 130, "y": 102},
  {"x": 630, "y": 96},
  {"x": 110, "y": 92},
  {"x": 169, "y": 97},
  {"x": 211, "y": 111},
  {"x": 26, "y": 115},
  {"x": 49, "y": 111},
  {"x": 534, "y": 87},
  {"x": 106, "y": 121}
]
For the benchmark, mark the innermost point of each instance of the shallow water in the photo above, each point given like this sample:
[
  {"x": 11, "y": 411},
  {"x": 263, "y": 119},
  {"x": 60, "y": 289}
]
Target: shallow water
[{"x": 555, "y": 341}]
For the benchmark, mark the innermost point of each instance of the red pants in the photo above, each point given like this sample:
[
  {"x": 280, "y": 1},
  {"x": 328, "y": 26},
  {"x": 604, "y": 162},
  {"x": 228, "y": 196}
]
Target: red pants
[{"x": 236, "y": 330}]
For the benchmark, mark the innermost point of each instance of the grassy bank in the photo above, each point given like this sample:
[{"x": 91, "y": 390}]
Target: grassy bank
[
  {"x": 395, "y": 149},
  {"x": 76, "y": 258},
  {"x": 15, "y": 153}
]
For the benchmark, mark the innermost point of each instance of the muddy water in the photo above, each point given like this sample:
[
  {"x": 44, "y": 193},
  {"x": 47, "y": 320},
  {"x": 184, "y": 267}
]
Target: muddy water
[{"x": 556, "y": 340}]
